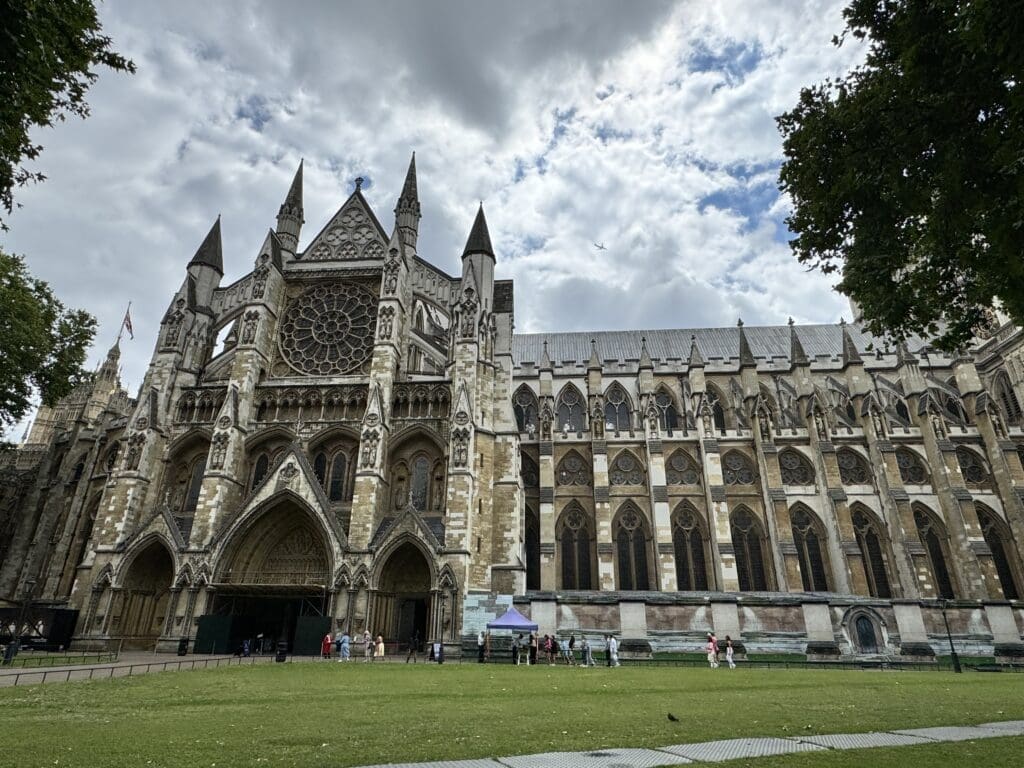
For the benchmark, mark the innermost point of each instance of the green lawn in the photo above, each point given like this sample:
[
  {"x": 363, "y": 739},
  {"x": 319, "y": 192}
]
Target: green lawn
[{"x": 320, "y": 714}]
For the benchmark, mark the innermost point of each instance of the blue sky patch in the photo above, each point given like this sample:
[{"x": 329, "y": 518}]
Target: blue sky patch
[{"x": 735, "y": 59}]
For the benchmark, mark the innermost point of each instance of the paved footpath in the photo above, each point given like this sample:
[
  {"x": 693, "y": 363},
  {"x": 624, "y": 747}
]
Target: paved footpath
[{"x": 733, "y": 749}]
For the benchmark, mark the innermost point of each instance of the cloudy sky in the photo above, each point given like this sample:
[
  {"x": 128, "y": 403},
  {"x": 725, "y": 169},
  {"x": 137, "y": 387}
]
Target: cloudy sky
[{"x": 646, "y": 126}]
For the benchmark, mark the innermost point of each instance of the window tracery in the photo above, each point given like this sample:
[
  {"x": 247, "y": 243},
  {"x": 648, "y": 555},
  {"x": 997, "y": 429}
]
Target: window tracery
[
  {"x": 626, "y": 470},
  {"x": 973, "y": 468},
  {"x": 570, "y": 410},
  {"x": 1008, "y": 399},
  {"x": 869, "y": 542},
  {"x": 524, "y": 404},
  {"x": 617, "y": 410},
  {"x": 631, "y": 540},
  {"x": 912, "y": 469},
  {"x": 668, "y": 415},
  {"x": 689, "y": 543},
  {"x": 748, "y": 547},
  {"x": 853, "y": 470},
  {"x": 576, "y": 542},
  {"x": 737, "y": 469},
  {"x": 808, "y": 538},
  {"x": 796, "y": 470},
  {"x": 933, "y": 537},
  {"x": 329, "y": 329},
  {"x": 997, "y": 536},
  {"x": 681, "y": 469},
  {"x": 573, "y": 470}
]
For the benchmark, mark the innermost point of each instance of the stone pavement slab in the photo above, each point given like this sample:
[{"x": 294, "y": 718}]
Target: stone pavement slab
[
  {"x": 1010, "y": 727},
  {"x": 598, "y": 758},
  {"x": 863, "y": 740},
  {"x": 733, "y": 749},
  {"x": 954, "y": 733},
  {"x": 483, "y": 763}
]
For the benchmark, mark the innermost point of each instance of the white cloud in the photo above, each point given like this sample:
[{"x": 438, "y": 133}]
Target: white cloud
[{"x": 645, "y": 126}]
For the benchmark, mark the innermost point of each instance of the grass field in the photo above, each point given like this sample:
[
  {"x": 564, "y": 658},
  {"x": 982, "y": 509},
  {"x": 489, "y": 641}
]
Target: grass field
[{"x": 329, "y": 714}]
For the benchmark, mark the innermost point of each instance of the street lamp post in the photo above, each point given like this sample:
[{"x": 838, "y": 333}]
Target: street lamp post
[{"x": 943, "y": 605}]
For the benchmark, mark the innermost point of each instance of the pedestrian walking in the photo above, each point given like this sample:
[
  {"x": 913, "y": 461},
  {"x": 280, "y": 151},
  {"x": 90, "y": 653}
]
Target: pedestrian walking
[
  {"x": 367, "y": 646},
  {"x": 346, "y": 646},
  {"x": 533, "y": 648},
  {"x": 414, "y": 646},
  {"x": 515, "y": 649},
  {"x": 608, "y": 650},
  {"x": 588, "y": 653},
  {"x": 325, "y": 646},
  {"x": 378, "y": 652},
  {"x": 337, "y": 645},
  {"x": 613, "y": 650},
  {"x": 712, "y": 650},
  {"x": 480, "y": 647},
  {"x": 572, "y": 649},
  {"x": 729, "y": 651}
]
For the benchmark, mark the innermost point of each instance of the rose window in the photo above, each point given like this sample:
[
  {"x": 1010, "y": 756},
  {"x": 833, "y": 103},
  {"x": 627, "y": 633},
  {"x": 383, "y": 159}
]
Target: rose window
[
  {"x": 681, "y": 471},
  {"x": 329, "y": 329},
  {"x": 626, "y": 470},
  {"x": 738, "y": 470}
]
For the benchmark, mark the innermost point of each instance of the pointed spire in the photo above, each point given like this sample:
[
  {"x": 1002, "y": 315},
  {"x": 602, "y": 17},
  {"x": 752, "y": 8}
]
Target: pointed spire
[
  {"x": 696, "y": 358},
  {"x": 407, "y": 211},
  {"x": 293, "y": 200},
  {"x": 545, "y": 361},
  {"x": 850, "y": 354},
  {"x": 108, "y": 370},
  {"x": 797, "y": 356},
  {"x": 410, "y": 195},
  {"x": 479, "y": 238},
  {"x": 594, "y": 363},
  {"x": 746, "y": 356},
  {"x": 645, "y": 356},
  {"x": 209, "y": 253}
]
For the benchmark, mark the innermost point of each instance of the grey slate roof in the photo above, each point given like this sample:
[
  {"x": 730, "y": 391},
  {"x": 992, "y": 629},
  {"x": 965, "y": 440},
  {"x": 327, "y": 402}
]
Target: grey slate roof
[{"x": 716, "y": 345}]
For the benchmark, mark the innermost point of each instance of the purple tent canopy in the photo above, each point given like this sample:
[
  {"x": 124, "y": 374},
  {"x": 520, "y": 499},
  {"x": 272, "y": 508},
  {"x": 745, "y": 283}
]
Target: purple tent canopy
[{"x": 513, "y": 620}]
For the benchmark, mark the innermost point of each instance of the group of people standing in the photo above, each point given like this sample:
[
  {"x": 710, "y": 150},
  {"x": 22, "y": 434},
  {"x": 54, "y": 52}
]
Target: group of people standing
[
  {"x": 341, "y": 643},
  {"x": 530, "y": 650},
  {"x": 713, "y": 651}
]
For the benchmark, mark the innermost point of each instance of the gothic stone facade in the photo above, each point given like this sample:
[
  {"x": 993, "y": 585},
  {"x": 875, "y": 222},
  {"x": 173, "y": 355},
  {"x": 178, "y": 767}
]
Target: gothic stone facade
[{"x": 349, "y": 436}]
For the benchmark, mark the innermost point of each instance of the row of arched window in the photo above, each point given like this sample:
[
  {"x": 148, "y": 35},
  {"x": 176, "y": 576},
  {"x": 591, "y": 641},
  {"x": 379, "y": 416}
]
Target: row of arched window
[
  {"x": 571, "y": 411},
  {"x": 634, "y": 553},
  {"x": 738, "y": 469}
]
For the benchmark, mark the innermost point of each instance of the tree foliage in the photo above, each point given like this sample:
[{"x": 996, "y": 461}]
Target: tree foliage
[
  {"x": 43, "y": 344},
  {"x": 907, "y": 175},
  {"x": 47, "y": 54}
]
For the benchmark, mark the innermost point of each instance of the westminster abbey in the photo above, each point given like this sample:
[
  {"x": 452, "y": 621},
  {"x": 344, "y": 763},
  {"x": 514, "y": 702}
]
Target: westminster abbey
[{"x": 347, "y": 437}]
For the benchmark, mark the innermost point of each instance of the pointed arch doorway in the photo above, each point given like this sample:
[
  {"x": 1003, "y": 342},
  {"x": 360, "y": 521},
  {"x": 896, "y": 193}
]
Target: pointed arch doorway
[
  {"x": 272, "y": 585},
  {"x": 145, "y": 596},
  {"x": 403, "y": 605}
]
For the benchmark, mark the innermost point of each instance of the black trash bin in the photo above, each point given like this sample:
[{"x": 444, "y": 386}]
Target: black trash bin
[
  {"x": 282, "y": 651},
  {"x": 183, "y": 646}
]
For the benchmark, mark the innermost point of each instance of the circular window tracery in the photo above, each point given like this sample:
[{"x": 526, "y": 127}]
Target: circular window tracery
[{"x": 329, "y": 329}]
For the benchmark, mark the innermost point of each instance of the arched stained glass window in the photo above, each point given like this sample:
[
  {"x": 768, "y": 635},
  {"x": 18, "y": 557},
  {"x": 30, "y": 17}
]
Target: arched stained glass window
[
  {"x": 1008, "y": 399},
  {"x": 631, "y": 541},
  {"x": 748, "y": 546},
  {"x": 336, "y": 489},
  {"x": 667, "y": 413},
  {"x": 902, "y": 412},
  {"x": 912, "y": 470},
  {"x": 717, "y": 411},
  {"x": 195, "y": 485},
  {"x": 532, "y": 549},
  {"x": 260, "y": 469},
  {"x": 320, "y": 468},
  {"x": 808, "y": 537},
  {"x": 867, "y": 640},
  {"x": 681, "y": 469},
  {"x": 570, "y": 410},
  {"x": 616, "y": 409},
  {"x": 576, "y": 540},
  {"x": 869, "y": 541},
  {"x": 853, "y": 469},
  {"x": 796, "y": 469},
  {"x": 420, "y": 481},
  {"x": 524, "y": 404},
  {"x": 933, "y": 537},
  {"x": 530, "y": 474},
  {"x": 737, "y": 469},
  {"x": 1000, "y": 542},
  {"x": 689, "y": 544}
]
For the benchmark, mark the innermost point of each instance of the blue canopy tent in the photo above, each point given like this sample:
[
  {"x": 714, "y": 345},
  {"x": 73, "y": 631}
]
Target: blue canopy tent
[{"x": 514, "y": 620}]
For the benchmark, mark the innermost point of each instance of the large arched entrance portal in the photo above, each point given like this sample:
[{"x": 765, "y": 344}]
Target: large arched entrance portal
[
  {"x": 402, "y": 604},
  {"x": 144, "y": 598},
  {"x": 271, "y": 587}
]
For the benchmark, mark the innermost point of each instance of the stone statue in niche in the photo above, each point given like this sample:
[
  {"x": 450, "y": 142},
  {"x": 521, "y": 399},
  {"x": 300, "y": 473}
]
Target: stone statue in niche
[
  {"x": 249, "y": 326},
  {"x": 597, "y": 419},
  {"x": 401, "y": 493},
  {"x": 387, "y": 322},
  {"x": 259, "y": 283},
  {"x": 134, "y": 453},
  {"x": 764, "y": 424},
  {"x": 218, "y": 450},
  {"x": 174, "y": 327},
  {"x": 997, "y": 423},
  {"x": 438, "y": 501},
  {"x": 652, "y": 422},
  {"x": 368, "y": 458},
  {"x": 460, "y": 447},
  {"x": 878, "y": 423},
  {"x": 938, "y": 424},
  {"x": 546, "y": 420},
  {"x": 705, "y": 417},
  {"x": 820, "y": 426}
]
